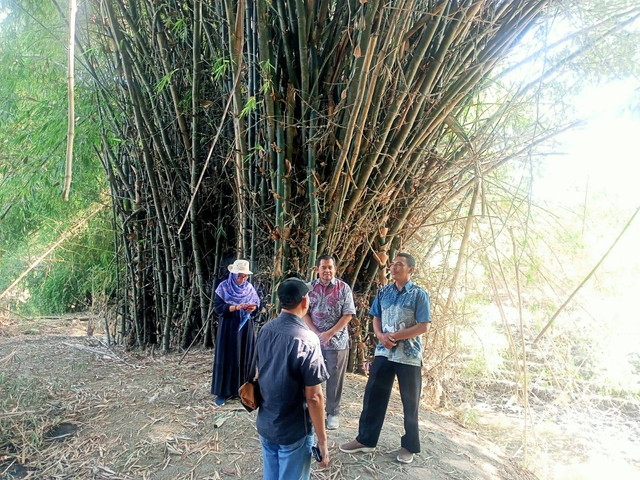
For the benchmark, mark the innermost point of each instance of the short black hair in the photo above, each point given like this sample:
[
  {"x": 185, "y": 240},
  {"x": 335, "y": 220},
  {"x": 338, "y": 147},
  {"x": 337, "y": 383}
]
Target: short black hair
[
  {"x": 326, "y": 257},
  {"x": 410, "y": 260},
  {"x": 291, "y": 292}
]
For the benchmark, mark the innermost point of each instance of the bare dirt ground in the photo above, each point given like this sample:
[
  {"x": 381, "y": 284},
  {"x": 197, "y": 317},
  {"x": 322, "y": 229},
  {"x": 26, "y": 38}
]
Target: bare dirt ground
[
  {"x": 72, "y": 408},
  {"x": 571, "y": 435}
]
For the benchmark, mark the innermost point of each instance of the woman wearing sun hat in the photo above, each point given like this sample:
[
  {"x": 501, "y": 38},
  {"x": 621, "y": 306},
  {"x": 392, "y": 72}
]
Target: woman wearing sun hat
[{"x": 234, "y": 302}]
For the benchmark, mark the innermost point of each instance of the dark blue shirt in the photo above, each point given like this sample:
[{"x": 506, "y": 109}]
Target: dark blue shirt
[
  {"x": 400, "y": 309},
  {"x": 289, "y": 359}
]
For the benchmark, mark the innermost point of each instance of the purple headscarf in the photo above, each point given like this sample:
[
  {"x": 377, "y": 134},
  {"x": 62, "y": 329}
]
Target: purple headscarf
[{"x": 235, "y": 294}]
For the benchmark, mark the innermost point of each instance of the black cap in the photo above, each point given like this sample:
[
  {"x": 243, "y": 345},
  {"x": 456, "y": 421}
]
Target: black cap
[{"x": 291, "y": 291}]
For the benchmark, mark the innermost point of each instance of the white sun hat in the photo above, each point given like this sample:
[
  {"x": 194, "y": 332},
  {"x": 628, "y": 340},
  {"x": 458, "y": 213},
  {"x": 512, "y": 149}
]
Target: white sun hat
[{"x": 240, "y": 266}]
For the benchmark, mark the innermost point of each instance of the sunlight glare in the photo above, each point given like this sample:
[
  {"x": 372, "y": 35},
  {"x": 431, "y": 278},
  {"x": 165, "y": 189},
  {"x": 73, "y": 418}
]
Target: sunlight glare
[{"x": 600, "y": 156}]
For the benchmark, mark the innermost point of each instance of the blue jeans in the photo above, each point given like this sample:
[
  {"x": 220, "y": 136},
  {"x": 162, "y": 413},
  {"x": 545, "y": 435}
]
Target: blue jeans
[{"x": 287, "y": 462}]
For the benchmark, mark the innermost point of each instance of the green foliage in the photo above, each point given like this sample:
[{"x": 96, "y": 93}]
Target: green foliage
[
  {"x": 180, "y": 29},
  {"x": 249, "y": 107},
  {"x": 22, "y": 432},
  {"x": 165, "y": 80},
  {"x": 219, "y": 68},
  {"x": 33, "y": 136},
  {"x": 467, "y": 417},
  {"x": 83, "y": 270},
  {"x": 475, "y": 367},
  {"x": 33, "y": 99},
  {"x": 266, "y": 72}
]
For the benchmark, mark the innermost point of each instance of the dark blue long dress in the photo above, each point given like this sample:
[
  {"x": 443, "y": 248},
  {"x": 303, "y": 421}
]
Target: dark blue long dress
[{"x": 234, "y": 351}]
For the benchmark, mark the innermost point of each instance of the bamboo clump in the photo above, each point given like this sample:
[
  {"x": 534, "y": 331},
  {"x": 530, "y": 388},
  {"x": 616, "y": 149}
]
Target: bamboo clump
[{"x": 278, "y": 131}]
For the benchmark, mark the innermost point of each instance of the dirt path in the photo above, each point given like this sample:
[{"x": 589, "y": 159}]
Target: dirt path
[{"x": 72, "y": 408}]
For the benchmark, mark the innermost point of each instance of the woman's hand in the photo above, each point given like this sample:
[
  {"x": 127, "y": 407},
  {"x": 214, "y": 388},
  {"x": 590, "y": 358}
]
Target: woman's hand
[
  {"x": 235, "y": 308},
  {"x": 249, "y": 307}
]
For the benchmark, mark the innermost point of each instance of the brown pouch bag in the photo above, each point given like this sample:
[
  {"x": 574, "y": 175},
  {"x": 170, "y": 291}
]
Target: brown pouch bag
[{"x": 250, "y": 396}]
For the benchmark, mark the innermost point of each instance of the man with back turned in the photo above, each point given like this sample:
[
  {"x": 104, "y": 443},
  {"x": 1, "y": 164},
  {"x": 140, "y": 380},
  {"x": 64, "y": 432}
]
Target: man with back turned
[{"x": 291, "y": 371}]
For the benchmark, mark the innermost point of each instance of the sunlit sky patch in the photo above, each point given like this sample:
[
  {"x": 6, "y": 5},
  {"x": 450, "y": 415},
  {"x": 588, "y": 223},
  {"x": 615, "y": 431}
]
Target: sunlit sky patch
[
  {"x": 602, "y": 155},
  {"x": 597, "y": 176}
]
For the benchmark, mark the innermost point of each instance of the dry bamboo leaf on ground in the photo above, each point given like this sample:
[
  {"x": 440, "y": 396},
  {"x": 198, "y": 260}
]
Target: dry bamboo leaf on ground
[{"x": 220, "y": 419}]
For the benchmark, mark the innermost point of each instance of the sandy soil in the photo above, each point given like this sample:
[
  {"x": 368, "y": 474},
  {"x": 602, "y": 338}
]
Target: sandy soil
[{"x": 72, "y": 408}]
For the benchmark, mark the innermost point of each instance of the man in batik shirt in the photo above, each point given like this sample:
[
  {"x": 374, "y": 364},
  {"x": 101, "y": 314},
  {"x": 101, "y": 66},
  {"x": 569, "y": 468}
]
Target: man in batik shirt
[
  {"x": 401, "y": 315},
  {"x": 331, "y": 308}
]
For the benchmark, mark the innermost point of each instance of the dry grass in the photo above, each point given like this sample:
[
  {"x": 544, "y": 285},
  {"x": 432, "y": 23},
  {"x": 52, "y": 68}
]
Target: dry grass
[{"x": 74, "y": 408}]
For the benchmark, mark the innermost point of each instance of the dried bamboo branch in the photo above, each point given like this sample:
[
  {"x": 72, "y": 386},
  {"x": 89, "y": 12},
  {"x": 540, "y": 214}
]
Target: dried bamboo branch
[
  {"x": 585, "y": 280},
  {"x": 71, "y": 100}
]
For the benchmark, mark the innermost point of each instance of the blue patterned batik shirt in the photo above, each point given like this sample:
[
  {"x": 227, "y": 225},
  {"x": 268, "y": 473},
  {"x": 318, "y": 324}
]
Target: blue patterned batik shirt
[{"x": 399, "y": 309}]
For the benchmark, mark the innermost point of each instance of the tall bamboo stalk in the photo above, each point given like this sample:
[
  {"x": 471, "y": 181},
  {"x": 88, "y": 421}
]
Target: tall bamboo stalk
[
  {"x": 71, "y": 121},
  {"x": 341, "y": 117}
]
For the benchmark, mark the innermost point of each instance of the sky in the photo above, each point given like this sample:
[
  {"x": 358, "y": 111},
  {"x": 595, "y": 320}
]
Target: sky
[
  {"x": 600, "y": 165},
  {"x": 603, "y": 155},
  {"x": 596, "y": 175}
]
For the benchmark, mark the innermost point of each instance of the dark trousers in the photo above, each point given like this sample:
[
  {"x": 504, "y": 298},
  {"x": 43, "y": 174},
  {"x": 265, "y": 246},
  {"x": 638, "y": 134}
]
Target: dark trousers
[{"x": 376, "y": 400}]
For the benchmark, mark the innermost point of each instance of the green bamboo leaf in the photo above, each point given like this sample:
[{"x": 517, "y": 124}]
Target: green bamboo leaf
[
  {"x": 249, "y": 107},
  {"x": 164, "y": 81}
]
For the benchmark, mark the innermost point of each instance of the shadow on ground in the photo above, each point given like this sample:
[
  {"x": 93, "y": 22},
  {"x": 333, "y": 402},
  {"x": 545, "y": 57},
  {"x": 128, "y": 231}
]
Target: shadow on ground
[{"x": 75, "y": 408}]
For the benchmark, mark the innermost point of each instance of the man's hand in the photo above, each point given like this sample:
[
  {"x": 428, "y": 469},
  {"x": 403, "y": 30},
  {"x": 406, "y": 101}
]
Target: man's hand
[
  {"x": 307, "y": 320},
  {"x": 315, "y": 401},
  {"x": 324, "y": 451},
  {"x": 387, "y": 340},
  {"x": 325, "y": 337}
]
